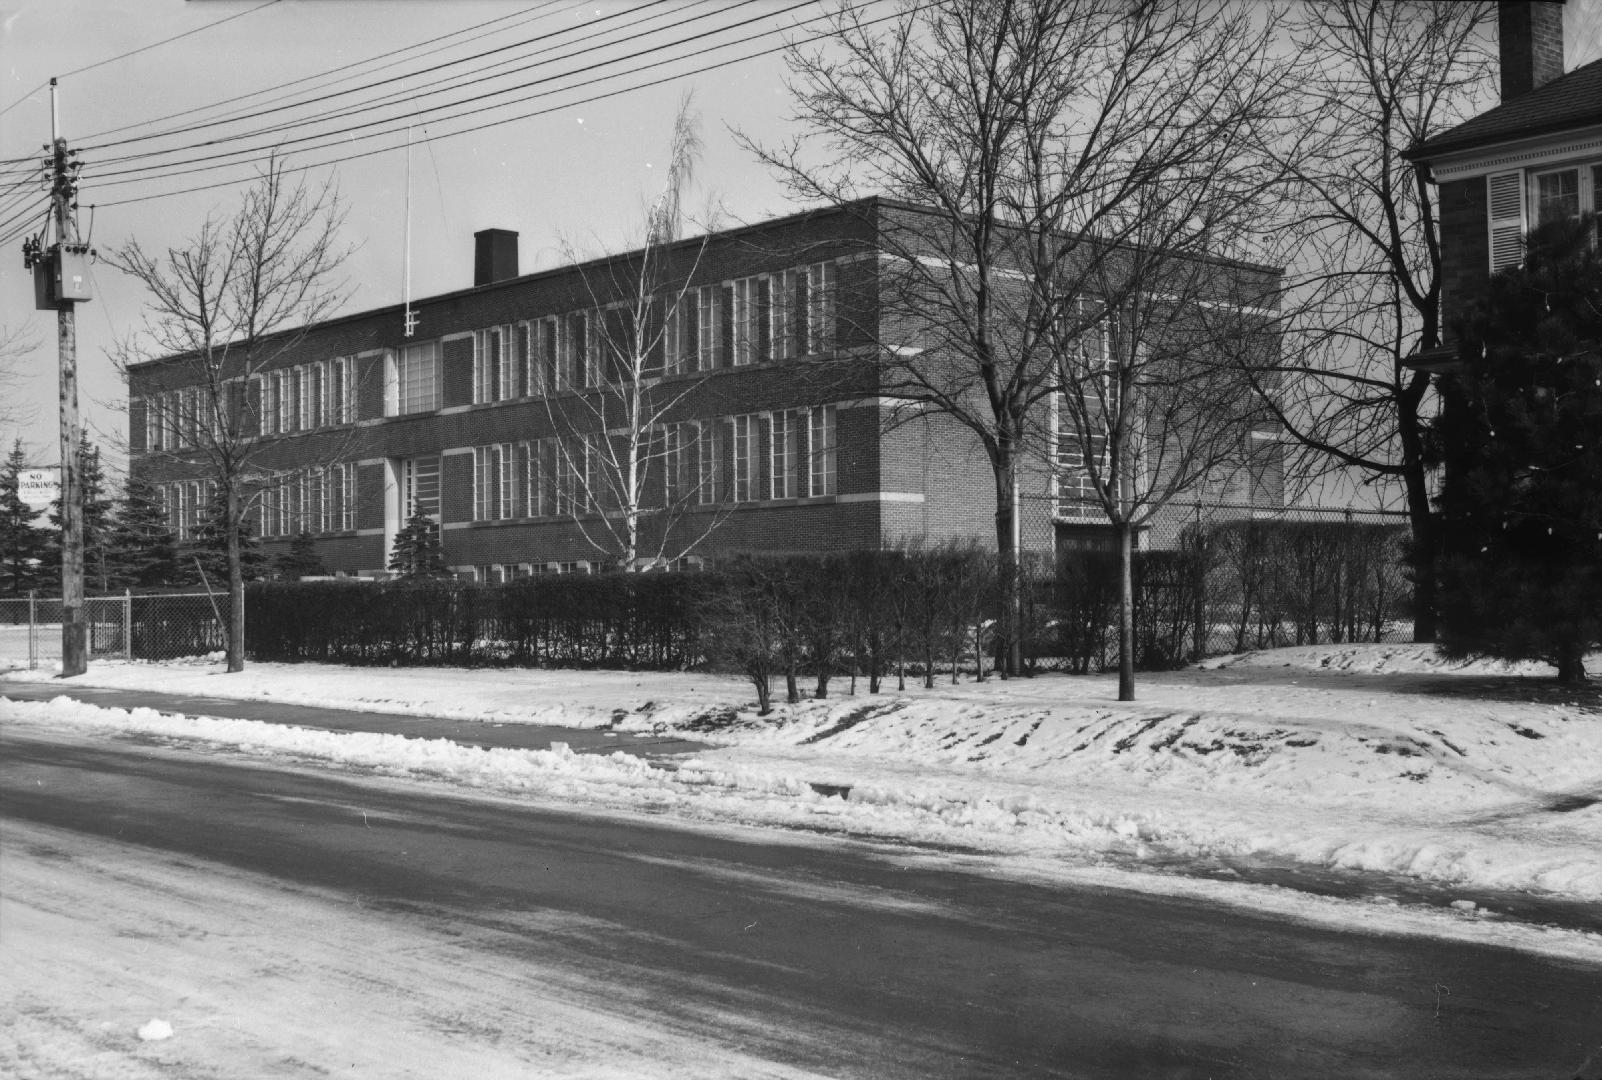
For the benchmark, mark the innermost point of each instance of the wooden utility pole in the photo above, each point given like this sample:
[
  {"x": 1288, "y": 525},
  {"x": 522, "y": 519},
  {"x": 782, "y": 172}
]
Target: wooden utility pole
[{"x": 68, "y": 257}]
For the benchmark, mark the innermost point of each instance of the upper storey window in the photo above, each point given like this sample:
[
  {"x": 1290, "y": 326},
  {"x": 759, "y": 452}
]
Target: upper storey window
[
  {"x": 1521, "y": 200},
  {"x": 414, "y": 382}
]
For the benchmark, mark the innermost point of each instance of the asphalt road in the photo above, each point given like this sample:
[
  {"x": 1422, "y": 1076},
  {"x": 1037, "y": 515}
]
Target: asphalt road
[
  {"x": 481, "y": 733},
  {"x": 840, "y": 958}
]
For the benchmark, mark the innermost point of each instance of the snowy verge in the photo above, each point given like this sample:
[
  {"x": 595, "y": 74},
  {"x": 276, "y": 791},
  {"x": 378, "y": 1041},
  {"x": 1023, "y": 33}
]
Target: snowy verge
[
  {"x": 1390, "y": 774},
  {"x": 1018, "y": 836}
]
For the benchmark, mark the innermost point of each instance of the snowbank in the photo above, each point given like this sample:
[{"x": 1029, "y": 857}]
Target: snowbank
[{"x": 1374, "y": 758}]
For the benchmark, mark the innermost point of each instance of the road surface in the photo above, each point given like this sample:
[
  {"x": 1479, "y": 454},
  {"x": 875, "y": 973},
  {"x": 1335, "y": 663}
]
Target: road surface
[{"x": 295, "y": 922}]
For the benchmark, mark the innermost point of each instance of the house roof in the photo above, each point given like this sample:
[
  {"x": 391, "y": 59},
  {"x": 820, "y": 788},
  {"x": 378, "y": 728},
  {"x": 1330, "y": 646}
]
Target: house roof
[{"x": 1572, "y": 100}]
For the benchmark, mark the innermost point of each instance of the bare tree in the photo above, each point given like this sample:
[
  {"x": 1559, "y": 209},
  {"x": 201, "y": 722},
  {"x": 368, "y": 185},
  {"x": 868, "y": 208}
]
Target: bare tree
[
  {"x": 229, "y": 303},
  {"x": 17, "y": 343},
  {"x": 622, "y": 467},
  {"x": 1360, "y": 236},
  {"x": 1028, "y": 130},
  {"x": 1155, "y": 400}
]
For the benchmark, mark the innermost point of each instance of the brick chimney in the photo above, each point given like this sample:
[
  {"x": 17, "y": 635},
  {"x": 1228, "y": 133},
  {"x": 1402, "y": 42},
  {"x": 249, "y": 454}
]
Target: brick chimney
[
  {"x": 494, "y": 256},
  {"x": 1530, "y": 45}
]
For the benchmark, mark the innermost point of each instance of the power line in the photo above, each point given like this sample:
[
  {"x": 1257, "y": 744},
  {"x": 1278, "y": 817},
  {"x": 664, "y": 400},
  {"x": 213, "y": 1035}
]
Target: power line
[
  {"x": 354, "y": 90},
  {"x": 407, "y": 92},
  {"x": 135, "y": 52},
  {"x": 507, "y": 120},
  {"x": 348, "y": 134},
  {"x": 325, "y": 74}
]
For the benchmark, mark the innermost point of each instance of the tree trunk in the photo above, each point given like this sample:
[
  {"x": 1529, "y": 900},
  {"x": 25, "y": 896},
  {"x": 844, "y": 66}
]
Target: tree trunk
[
  {"x": 1571, "y": 665},
  {"x": 1126, "y": 612},
  {"x": 1421, "y": 520},
  {"x": 236, "y": 586},
  {"x": 1006, "y": 570}
]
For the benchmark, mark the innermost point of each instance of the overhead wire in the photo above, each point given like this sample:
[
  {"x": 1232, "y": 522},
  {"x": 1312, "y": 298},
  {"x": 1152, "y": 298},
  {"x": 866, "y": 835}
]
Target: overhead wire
[
  {"x": 140, "y": 49},
  {"x": 406, "y": 93},
  {"x": 506, "y": 120},
  {"x": 392, "y": 125},
  {"x": 334, "y": 71},
  {"x": 382, "y": 82}
]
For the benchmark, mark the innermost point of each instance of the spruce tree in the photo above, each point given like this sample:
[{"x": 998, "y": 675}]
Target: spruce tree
[
  {"x": 24, "y": 546},
  {"x": 418, "y": 552},
  {"x": 1521, "y": 443},
  {"x": 144, "y": 549},
  {"x": 210, "y": 546},
  {"x": 301, "y": 560},
  {"x": 98, "y": 554}
]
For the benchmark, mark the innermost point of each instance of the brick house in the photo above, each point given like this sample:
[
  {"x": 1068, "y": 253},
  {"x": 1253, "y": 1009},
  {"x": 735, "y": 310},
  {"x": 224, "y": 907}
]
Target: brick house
[
  {"x": 1534, "y": 158},
  {"x": 778, "y": 432}
]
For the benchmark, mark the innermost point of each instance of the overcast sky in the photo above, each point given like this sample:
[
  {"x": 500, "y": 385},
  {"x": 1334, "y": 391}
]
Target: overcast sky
[{"x": 579, "y": 173}]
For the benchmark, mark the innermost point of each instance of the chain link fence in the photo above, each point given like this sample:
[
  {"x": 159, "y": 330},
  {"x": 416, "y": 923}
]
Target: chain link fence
[
  {"x": 130, "y": 626},
  {"x": 1214, "y": 578}
]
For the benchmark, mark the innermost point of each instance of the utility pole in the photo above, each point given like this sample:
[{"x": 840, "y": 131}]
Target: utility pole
[{"x": 68, "y": 263}]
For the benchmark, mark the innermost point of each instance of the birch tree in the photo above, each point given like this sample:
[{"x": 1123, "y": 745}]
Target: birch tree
[{"x": 623, "y": 466}]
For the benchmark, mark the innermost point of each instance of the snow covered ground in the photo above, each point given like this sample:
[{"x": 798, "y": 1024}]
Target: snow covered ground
[{"x": 1371, "y": 757}]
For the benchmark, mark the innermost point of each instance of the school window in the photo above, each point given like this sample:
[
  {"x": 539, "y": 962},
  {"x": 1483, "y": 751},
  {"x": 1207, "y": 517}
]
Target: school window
[
  {"x": 681, "y": 332},
  {"x": 743, "y": 481},
  {"x": 576, "y": 346},
  {"x": 415, "y": 382},
  {"x": 315, "y": 393},
  {"x": 1077, "y": 475},
  {"x": 493, "y": 493},
  {"x": 784, "y": 435},
  {"x": 714, "y": 344},
  {"x": 819, "y": 292},
  {"x": 709, "y": 474},
  {"x": 821, "y": 450},
  {"x": 545, "y": 356},
  {"x": 749, "y": 320},
  {"x": 782, "y": 303},
  {"x": 420, "y": 486},
  {"x": 496, "y": 369}
]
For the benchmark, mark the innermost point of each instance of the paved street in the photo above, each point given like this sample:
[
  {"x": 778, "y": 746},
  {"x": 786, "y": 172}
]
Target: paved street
[{"x": 838, "y": 959}]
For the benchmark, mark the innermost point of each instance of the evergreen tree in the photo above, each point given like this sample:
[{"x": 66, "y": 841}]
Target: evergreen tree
[
  {"x": 1521, "y": 443},
  {"x": 418, "y": 552},
  {"x": 98, "y": 553},
  {"x": 210, "y": 546},
  {"x": 301, "y": 560},
  {"x": 23, "y": 545},
  {"x": 144, "y": 549}
]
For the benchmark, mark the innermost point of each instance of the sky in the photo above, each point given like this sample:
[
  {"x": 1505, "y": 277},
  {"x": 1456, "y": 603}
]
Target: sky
[{"x": 577, "y": 176}]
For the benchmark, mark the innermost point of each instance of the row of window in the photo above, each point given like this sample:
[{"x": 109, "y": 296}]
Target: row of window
[
  {"x": 311, "y": 501},
  {"x": 307, "y": 396},
  {"x": 185, "y": 503},
  {"x": 752, "y": 320},
  {"x": 174, "y": 419},
  {"x": 788, "y": 454}
]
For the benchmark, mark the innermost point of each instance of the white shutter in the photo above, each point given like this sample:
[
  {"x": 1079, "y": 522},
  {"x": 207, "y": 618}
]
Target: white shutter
[{"x": 1506, "y": 192}]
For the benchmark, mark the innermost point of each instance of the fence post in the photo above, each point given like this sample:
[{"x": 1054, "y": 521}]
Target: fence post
[
  {"x": 33, "y": 647},
  {"x": 1203, "y": 626},
  {"x": 127, "y": 624}
]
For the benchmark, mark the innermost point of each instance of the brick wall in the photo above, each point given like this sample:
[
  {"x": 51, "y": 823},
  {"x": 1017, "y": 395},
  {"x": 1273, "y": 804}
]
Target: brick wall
[
  {"x": 1465, "y": 245},
  {"x": 1529, "y": 45}
]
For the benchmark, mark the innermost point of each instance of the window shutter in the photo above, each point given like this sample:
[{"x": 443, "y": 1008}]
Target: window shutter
[{"x": 1506, "y": 191}]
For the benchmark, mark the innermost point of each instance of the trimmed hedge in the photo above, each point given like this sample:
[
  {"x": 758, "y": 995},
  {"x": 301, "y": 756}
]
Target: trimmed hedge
[
  {"x": 1246, "y": 584},
  {"x": 611, "y": 620}
]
